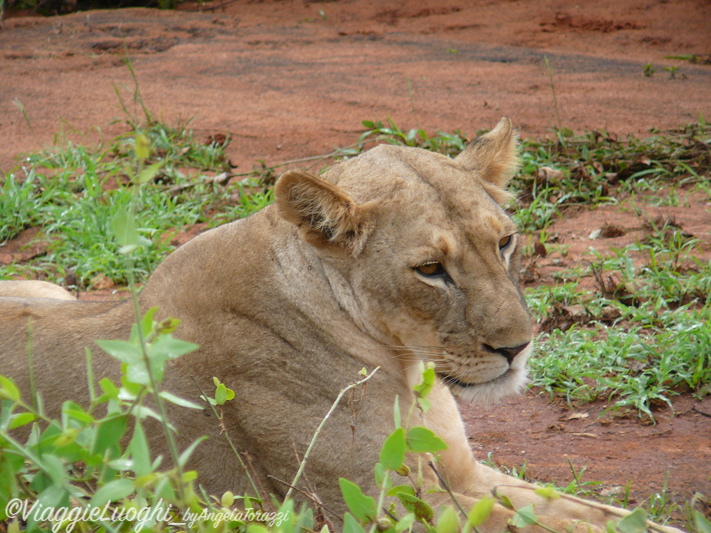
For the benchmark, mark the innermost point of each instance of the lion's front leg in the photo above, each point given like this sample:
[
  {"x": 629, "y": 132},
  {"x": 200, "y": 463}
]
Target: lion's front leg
[
  {"x": 553, "y": 510},
  {"x": 502, "y": 518}
]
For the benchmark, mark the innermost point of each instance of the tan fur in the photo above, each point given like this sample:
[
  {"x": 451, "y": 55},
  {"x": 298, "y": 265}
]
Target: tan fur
[
  {"x": 288, "y": 305},
  {"x": 34, "y": 289}
]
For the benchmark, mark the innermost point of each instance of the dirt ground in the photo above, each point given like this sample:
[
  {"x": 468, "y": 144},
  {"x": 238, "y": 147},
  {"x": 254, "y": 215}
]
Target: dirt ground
[{"x": 287, "y": 79}]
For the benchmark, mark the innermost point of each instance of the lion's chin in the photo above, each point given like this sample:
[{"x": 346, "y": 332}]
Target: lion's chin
[{"x": 507, "y": 384}]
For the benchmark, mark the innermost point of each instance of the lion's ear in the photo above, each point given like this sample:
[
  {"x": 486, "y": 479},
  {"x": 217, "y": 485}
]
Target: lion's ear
[
  {"x": 325, "y": 214},
  {"x": 493, "y": 157}
]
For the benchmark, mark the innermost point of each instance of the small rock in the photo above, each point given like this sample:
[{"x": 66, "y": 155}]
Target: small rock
[
  {"x": 550, "y": 174},
  {"x": 101, "y": 282},
  {"x": 610, "y": 231}
]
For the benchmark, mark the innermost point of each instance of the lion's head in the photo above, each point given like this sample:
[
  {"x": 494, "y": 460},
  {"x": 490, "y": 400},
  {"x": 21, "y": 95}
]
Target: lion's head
[{"x": 420, "y": 252}]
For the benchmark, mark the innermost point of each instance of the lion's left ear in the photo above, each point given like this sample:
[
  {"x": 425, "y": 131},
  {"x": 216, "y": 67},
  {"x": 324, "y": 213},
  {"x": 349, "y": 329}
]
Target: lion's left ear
[
  {"x": 494, "y": 158},
  {"x": 325, "y": 215}
]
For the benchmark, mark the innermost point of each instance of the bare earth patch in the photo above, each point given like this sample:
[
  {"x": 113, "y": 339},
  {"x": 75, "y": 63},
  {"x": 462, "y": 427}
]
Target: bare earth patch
[{"x": 290, "y": 79}]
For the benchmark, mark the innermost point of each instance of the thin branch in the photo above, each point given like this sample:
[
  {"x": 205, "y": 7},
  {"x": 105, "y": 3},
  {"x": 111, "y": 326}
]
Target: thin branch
[
  {"x": 257, "y": 493},
  {"x": 320, "y": 427},
  {"x": 308, "y": 495},
  {"x": 446, "y": 487}
]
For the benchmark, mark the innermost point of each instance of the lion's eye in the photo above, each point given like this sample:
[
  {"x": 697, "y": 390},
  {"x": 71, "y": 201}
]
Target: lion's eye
[
  {"x": 504, "y": 243},
  {"x": 431, "y": 270}
]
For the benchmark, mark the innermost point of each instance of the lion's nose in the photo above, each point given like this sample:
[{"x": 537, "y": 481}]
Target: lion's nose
[{"x": 508, "y": 353}]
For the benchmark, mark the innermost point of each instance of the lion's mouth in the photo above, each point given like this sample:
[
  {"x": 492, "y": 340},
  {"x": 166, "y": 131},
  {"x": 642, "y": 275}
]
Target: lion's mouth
[{"x": 452, "y": 381}]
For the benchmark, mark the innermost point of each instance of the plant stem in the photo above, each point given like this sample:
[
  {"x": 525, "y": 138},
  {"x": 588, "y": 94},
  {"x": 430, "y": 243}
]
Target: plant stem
[
  {"x": 555, "y": 100},
  {"x": 320, "y": 427}
]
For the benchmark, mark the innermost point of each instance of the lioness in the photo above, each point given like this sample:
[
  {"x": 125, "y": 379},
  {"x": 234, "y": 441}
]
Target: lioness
[{"x": 396, "y": 256}]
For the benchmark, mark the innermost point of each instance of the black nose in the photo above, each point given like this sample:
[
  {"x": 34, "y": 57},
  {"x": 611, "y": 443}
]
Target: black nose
[{"x": 508, "y": 353}]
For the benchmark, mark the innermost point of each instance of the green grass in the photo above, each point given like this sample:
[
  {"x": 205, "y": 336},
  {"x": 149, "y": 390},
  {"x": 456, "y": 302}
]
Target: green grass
[
  {"x": 635, "y": 366},
  {"x": 73, "y": 193}
]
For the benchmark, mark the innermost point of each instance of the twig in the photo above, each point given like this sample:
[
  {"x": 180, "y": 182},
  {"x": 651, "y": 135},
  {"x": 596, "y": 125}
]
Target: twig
[
  {"x": 446, "y": 487},
  {"x": 304, "y": 159},
  {"x": 222, "y": 6},
  {"x": 220, "y": 179},
  {"x": 702, "y": 413},
  {"x": 320, "y": 427},
  {"x": 309, "y": 495},
  {"x": 250, "y": 465},
  {"x": 555, "y": 100},
  {"x": 257, "y": 493}
]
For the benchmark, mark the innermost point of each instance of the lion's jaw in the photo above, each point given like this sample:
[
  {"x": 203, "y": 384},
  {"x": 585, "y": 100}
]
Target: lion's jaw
[{"x": 509, "y": 383}]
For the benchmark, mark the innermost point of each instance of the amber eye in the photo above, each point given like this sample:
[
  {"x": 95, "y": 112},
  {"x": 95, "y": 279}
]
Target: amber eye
[
  {"x": 503, "y": 243},
  {"x": 430, "y": 269}
]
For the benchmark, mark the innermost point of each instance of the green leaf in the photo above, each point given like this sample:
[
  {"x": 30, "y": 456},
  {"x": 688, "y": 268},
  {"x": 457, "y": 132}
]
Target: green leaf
[
  {"x": 6, "y": 407},
  {"x": 525, "y": 516},
  {"x": 481, "y": 512},
  {"x": 424, "y": 404},
  {"x": 701, "y": 522},
  {"x": 185, "y": 456},
  {"x": 182, "y": 402},
  {"x": 423, "y": 440},
  {"x": 504, "y": 500},
  {"x": 138, "y": 373},
  {"x": 405, "y": 523},
  {"x": 448, "y": 521},
  {"x": 396, "y": 412},
  {"x": 54, "y": 468},
  {"x": 228, "y": 499},
  {"x": 166, "y": 347},
  {"x": 392, "y": 454},
  {"x": 169, "y": 325},
  {"x": 124, "y": 351},
  {"x": 351, "y": 525},
  {"x": 120, "y": 464},
  {"x": 407, "y": 489},
  {"x": 21, "y": 419},
  {"x": 148, "y": 321},
  {"x": 428, "y": 379},
  {"x": 380, "y": 474},
  {"x": 76, "y": 412},
  {"x": 110, "y": 390},
  {"x": 8, "y": 390},
  {"x": 124, "y": 228},
  {"x": 423, "y": 512},
  {"x": 51, "y": 496},
  {"x": 108, "y": 434},
  {"x": 112, "y": 491},
  {"x": 140, "y": 452},
  {"x": 635, "y": 522},
  {"x": 142, "y": 147},
  {"x": 148, "y": 173},
  {"x": 362, "y": 506},
  {"x": 548, "y": 493},
  {"x": 67, "y": 437},
  {"x": 221, "y": 394}
]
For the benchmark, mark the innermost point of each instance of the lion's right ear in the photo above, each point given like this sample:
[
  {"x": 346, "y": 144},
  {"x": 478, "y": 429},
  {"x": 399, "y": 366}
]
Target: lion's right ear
[
  {"x": 493, "y": 158},
  {"x": 325, "y": 215}
]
